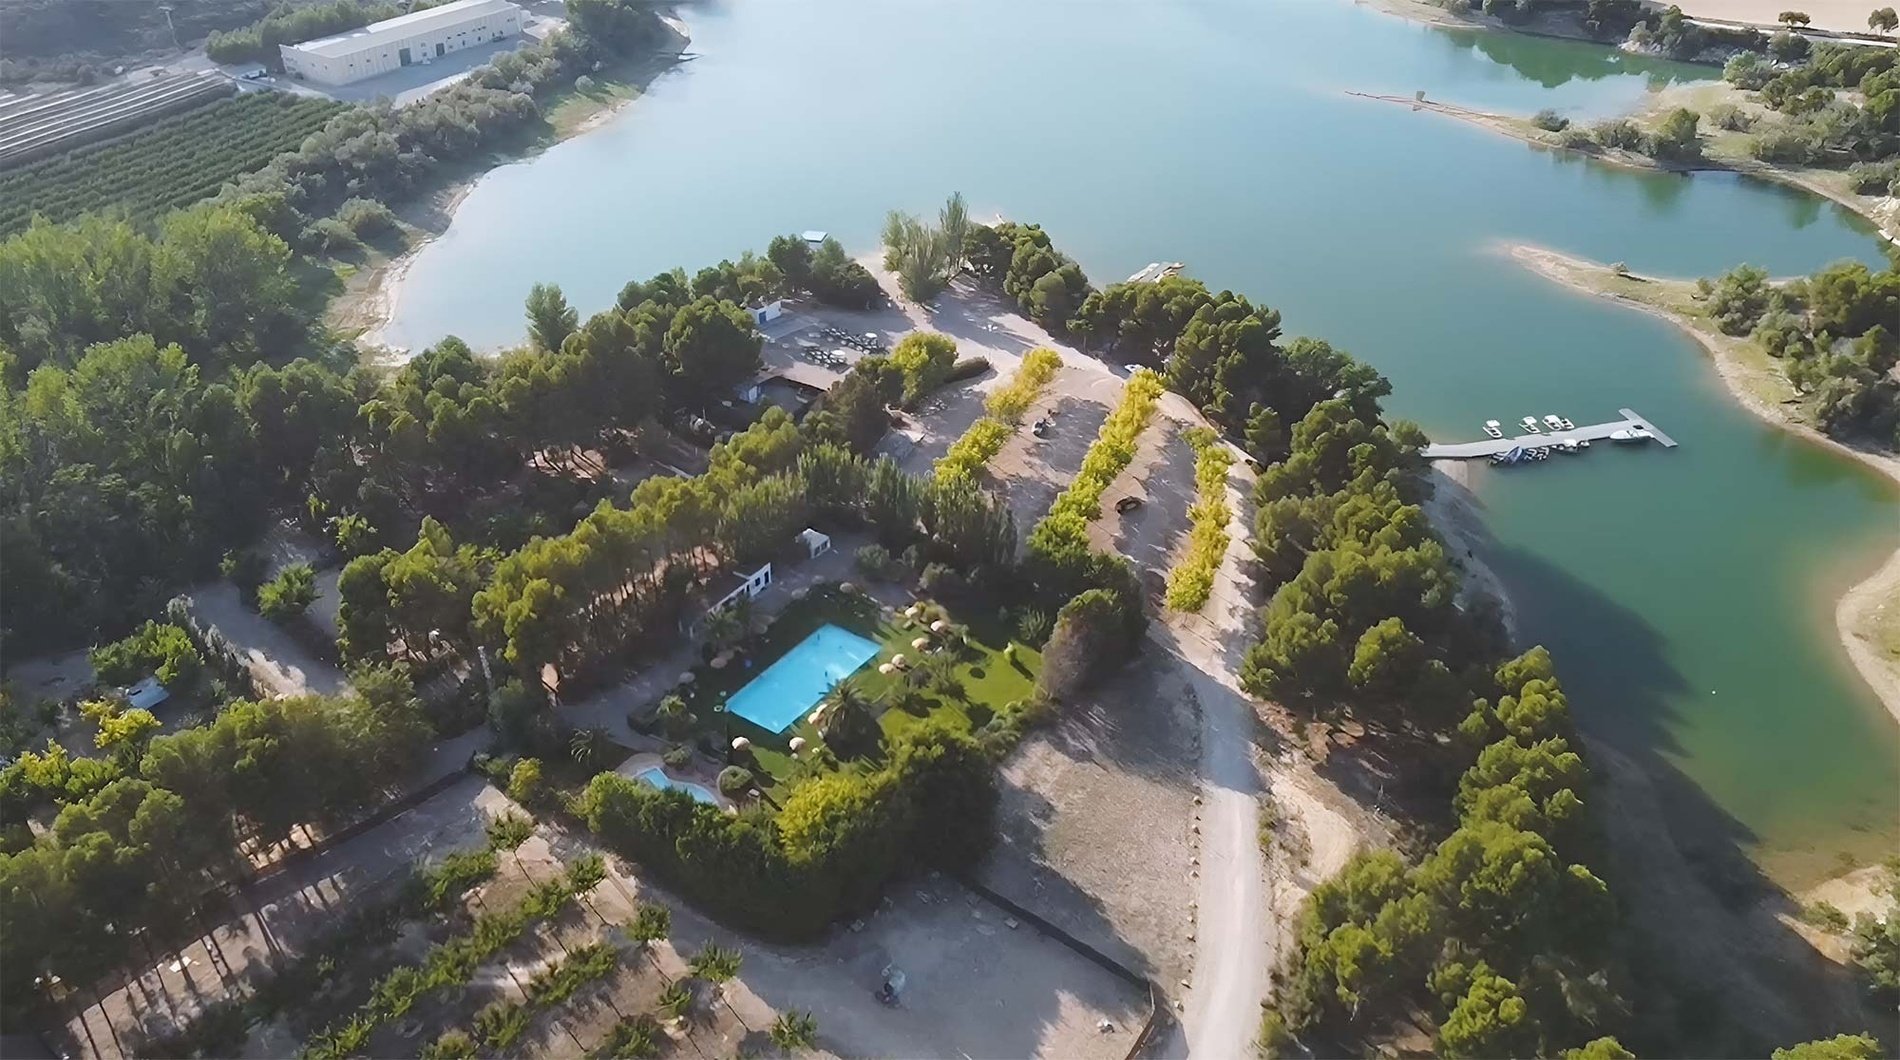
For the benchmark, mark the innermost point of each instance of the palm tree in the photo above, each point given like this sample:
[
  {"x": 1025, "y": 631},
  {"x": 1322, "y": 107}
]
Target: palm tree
[
  {"x": 794, "y": 1030},
  {"x": 849, "y": 726},
  {"x": 718, "y": 966},
  {"x": 584, "y": 744}
]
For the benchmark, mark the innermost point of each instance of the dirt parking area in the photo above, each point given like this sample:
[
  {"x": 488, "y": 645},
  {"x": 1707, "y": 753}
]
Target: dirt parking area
[
  {"x": 975, "y": 986},
  {"x": 1096, "y": 820},
  {"x": 276, "y": 660}
]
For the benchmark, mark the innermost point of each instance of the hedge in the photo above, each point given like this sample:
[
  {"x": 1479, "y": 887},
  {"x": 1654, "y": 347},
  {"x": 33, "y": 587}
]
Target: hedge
[
  {"x": 986, "y": 437},
  {"x": 1192, "y": 579}
]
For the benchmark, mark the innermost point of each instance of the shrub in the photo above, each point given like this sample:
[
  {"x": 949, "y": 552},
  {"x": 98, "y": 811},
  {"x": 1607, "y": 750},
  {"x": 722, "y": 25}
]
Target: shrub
[
  {"x": 940, "y": 579},
  {"x": 1191, "y": 581},
  {"x": 678, "y": 757},
  {"x": 1618, "y": 133},
  {"x": 525, "y": 785},
  {"x": 675, "y": 719},
  {"x": 288, "y": 594},
  {"x": 967, "y": 368},
  {"x": 925, "y": 358},
  {"x": 1786, "y": 145},
  {"x": 1875, "y": 178},
  {"x": 365, "y": 217},
  {"x": 160, "y": 649},
  {"x": 876, "y": 561},
  {"x": 584, "y": 83},
  {"x": 1550, "y": 121},
  {"x": 245, "y": 568},
  {"x": 1033, "y": 627},
  {"x": 1729, "y": 117},
  {"x": 734, "y": 780},
  {"x": 330, "y": 235}
]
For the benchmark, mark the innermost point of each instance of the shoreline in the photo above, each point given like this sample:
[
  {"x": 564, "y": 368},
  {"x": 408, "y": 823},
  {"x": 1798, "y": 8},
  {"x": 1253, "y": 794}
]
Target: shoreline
[
  {"x": 1861, "y": 603},
  {"x": 1518, "y": 128},
  {"x": 367, "y": 305},
  {"x": 1456, "y": 512}
]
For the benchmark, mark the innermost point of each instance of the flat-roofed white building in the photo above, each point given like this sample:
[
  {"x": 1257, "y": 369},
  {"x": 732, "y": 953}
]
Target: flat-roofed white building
[{"x": 406, "y": 40}]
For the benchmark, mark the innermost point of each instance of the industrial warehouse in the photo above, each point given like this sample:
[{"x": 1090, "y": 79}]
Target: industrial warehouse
[{"x": 406, "y": 40}]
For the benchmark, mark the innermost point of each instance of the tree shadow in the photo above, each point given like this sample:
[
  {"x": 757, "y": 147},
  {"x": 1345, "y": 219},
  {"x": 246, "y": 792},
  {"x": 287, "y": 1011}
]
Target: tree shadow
[{"x": 1709, "y": 926}]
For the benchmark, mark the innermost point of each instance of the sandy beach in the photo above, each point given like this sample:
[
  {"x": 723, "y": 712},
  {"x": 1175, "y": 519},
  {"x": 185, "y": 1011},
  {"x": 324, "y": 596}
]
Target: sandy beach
[{"x": 1860, "y": 612}]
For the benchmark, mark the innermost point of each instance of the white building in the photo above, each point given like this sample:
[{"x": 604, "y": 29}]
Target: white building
[{"x": 406, "y": 40}]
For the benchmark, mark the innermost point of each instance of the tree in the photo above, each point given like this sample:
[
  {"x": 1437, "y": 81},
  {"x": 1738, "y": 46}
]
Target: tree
[
  {"x": 1839, "y": 1047},
  {"x": 848, "y": 726},
  {"x": 1883, "y": 20},
  {"x": 1791, "y": 19},
  {"x": 925, "y": 359},
  {"x": 1490, "y": 1020},
  {"x": 550, "y": 319},
  {"x": 710, "y": 348},
  {"x": 289, "y": 594},
  {"x": 794, "y": 1030},
  {"x": 951, "y": 787},
  {"x": 1676, "y": 136},
  {"x": 1090, "y": 637}
]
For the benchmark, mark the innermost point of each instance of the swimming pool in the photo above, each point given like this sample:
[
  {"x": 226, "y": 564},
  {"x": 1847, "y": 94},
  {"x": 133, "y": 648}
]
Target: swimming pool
[
  {"x": 790, "y": 687},
  {"x": 657, "y": 777}
]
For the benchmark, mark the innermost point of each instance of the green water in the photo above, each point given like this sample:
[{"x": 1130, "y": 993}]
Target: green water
[{"x": 1687, "y": 594}]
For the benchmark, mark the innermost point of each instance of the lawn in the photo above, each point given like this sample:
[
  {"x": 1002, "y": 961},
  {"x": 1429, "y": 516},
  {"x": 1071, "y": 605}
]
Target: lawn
[{"x": 981, "y": 682}]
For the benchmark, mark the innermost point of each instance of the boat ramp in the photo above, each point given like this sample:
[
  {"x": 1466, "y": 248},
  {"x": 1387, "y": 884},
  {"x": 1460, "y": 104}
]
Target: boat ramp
[{"x": 1499, "y": 446}]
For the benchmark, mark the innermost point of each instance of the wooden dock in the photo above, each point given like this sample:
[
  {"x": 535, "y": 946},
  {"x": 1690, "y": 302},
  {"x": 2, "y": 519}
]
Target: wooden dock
[{"x": 1495, "y": 446}]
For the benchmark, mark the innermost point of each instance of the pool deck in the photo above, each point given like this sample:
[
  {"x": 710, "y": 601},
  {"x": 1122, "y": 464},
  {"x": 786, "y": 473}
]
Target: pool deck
[
  {"x": 1497, "y": 446},
  {"x": 646, "y": 760}
]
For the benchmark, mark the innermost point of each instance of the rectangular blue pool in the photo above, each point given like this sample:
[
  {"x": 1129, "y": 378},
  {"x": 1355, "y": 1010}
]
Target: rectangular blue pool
[{"x": 790, "y": 687}]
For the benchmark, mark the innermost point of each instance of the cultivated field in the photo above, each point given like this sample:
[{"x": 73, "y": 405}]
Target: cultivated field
[{"x": 170, "y": 165}]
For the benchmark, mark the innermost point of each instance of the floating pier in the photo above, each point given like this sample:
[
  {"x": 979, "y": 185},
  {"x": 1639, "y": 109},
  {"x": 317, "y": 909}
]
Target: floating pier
[{"x": 1498, "y": 446}]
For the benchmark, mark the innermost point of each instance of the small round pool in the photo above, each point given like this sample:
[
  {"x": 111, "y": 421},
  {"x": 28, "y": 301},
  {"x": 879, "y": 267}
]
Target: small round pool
[{"x": 657, "y": 777}]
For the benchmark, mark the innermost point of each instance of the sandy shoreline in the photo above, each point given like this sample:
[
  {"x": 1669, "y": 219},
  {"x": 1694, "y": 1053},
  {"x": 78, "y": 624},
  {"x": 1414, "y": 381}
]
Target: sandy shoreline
[
  {"x": 1860, "y": 605},
  {"x": 1458, "y": 515}
]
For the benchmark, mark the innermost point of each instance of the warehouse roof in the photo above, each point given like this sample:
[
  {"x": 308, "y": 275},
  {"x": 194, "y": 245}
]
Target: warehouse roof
[{"x": 415, "y": 22}]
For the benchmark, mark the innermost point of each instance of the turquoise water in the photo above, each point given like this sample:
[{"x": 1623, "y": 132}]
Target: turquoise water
[
  {"x": 657, "y": 777},
  {"x": 1686, "y": 595},
  {"x": 791, "y": 686}
]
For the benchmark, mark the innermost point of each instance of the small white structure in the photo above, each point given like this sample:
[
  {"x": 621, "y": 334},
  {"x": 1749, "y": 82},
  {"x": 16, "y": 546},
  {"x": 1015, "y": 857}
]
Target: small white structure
[
  {"x": 747, "y": 585},
  {"x": 766, "y": 313},
  {"x": 816, "y": 544},
  {"x": 813, "y": 236},
  {"x": 406, "y": 40}
]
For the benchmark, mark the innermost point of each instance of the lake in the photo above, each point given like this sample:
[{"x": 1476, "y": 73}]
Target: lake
[{"x": 1686, "y": 594}]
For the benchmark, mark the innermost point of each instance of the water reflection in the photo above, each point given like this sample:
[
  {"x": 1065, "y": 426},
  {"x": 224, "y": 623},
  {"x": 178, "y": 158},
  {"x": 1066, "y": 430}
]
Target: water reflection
[{"x": 1552, "y": 63}]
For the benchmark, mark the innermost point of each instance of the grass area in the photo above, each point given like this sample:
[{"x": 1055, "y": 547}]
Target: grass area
[
  {"x": 569, "y": 110},
  {"x": 987, "y": 674}
]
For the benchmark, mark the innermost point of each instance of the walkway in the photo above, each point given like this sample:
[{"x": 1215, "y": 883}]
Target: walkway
[{"x": 1595, "y": 432}]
